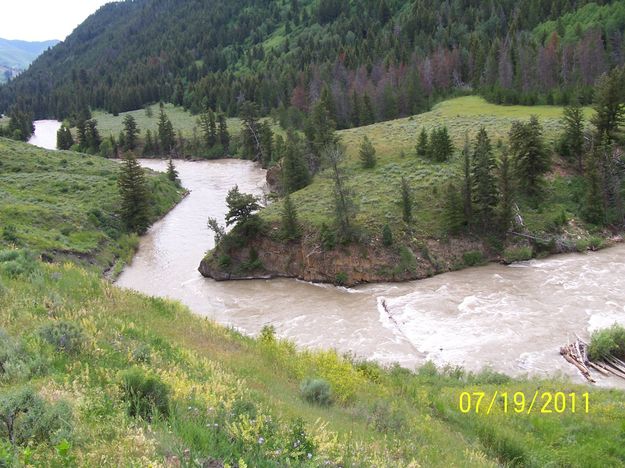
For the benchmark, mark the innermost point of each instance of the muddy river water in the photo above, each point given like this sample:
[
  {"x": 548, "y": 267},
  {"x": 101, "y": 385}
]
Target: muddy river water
[{"x": 511, "y": 318}]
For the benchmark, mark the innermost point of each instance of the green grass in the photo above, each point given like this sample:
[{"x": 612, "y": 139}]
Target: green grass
[
  {"x": 235, "y": 398},
  {"x": 64, "y": 204},
  {"x": 108, "y": 124}
]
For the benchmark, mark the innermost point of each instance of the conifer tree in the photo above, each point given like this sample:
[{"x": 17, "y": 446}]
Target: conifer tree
[
  {"x": 344, "y": 206},
  {"x": 406, "y": 201},
  {"x": 224, "y": 135},
  {"x": 294, "y": 169},
  {"x": 81, "y": 130},
  {"x": 367, "y": 154},
  {"x": 319, "y": 132},
  {"x": 172, "y": 173},
  {"x": 454, "y": 211},
  {"x": 467, "y": 185},
  {"x": 64, "y": 139},
  {"x": 573, "y": 138},
  {"x": 134, "y": 194},
  {"x": 250, "y": 132},
  {"x": 593, "y": 209},
  {"x": 131, "y": 132},
  {"x": 266, "y": 144},
  {"x": 422, "y": 144},
  {"x": 367, "y": 115},
  {"x": 506, "y": 188},
  {"x": 166, "y": 134},
  {"x": 93, "y": 138},
  {"x": 484, "y": 183},
  {"x": 609, "y": 104},
  {"x": 290, "y": 224},
  {"x": 531, "y": 157},
  {"x": 148, "y": 148},
  {"x": 441, "y": 147}
]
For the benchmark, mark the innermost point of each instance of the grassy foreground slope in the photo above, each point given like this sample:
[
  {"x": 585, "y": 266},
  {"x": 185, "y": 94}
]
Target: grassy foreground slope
[
  {"x": 64, "y": 204},
  {"x": 237, "y": 400}
]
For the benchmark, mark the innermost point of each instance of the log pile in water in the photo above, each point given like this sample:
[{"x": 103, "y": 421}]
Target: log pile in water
[{"x": 577, "y": 354}]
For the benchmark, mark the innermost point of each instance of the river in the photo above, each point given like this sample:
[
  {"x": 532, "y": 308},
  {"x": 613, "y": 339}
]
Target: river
[
  {"x": 511, "y": 318},
  {"x": 45, "y": 134}
]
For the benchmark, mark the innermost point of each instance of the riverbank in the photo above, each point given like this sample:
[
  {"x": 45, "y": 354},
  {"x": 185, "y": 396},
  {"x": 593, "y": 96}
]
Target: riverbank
[{"x": 306, "y": 259}]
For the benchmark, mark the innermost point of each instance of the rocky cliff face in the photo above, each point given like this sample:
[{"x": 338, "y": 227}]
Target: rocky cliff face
[{"x": 348, "y": 265}]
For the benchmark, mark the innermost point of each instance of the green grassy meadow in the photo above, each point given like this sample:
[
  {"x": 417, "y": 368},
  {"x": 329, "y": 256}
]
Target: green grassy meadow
[
  {"x": 64, "y": 204},
  {"x": 376, "y": 191}
]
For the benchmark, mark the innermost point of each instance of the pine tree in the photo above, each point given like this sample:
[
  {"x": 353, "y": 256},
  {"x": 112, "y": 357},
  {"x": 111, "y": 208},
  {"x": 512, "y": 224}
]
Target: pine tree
[
  {"x": 64, "y": 139},
  {"x": 320, "y": 134},
  {"x": 294, "y": 169},
  {"x": 609, "y": 104},
  {"x": 531, "y": 157},
  {"x": 367, "y": 115},
  {"x": 453, "y": 216},
  {"x": 81, "y": 130},
  {"x": 250, "y": 133},
  {"x": 172, "y": 173},
  {"x": 422, "y": 144},
  {"x": 134, "y": 195},
  {"x": 593, "y": 209},
  {"x": 344, "y": 206},
  {"x": 166, "y": 134},
  {"x": 467, "y": 185},
  {"x": 406, "y": 201},
  {"x": 506, "y": 189},
  {"x": 266, "y": 144},
  {"x": 290, "y": 224},
  {"x": 484, "y": 182},
  {"x": 573, "y": 138},
  {"x": 441, "y": 147},
  {"x": 224, "y": 135},
  {"x": 241, "y": 207},
  {"x": 148, "y": 148},
  {"x": 367, "y": 154},
  {"x": 93, "y": 138},
  {"x": 131, "y": 131}
]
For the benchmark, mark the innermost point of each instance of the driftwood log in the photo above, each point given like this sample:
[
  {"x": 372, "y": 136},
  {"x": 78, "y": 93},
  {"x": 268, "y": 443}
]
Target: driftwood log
[{"x": 576, "y": 353}]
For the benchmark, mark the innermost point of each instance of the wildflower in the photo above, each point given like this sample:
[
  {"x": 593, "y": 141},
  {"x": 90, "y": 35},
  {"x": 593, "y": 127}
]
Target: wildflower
[
  {"x": 261, "y": 440},
  {"x": 309, "y": 456}
]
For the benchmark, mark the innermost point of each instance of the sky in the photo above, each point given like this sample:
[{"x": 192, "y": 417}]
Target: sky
[{"x": 40, "y": 20}]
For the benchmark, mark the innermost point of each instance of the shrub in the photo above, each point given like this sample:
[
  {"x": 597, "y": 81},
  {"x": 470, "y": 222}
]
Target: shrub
[
  {"x": 340, "y": 278},
  {"x": 407, "y": 259},
  {"x": 9, "y": 234},
  {"x": 316, "y": 391},
  {"x": 142, "y": 353},
  {"x": 16, "y": 263},
  {"x": 146, "y": 395},
  {"x": 327, "y": 237},
  {"x": 26, "y": 417},
  {"x": 267, "y": 334},
  {"x": 301, "y": 446},
  {"x": 14, "y": 362},
  {"x": 607, "y": 342},
  {"x": 64, "y": 336},
  {"x": 386, "y": 418},
  {"x": 473, "y": 258},
  {"x": 387, "y": 236},
  {"x": 517, "y": 254}
]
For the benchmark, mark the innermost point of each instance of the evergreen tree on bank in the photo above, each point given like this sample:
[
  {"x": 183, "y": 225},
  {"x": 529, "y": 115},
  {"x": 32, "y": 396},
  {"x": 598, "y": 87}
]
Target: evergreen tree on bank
[
  {"x": 131, "y": 132},
  {"x": 134, "y": 195},
  {"x": 531, "y": 158},
  {"x": 166, "y": 134},
  {"x": 367, "y": 154},
  {"x": 485, "y": 196},
  {"x": 290, "y": 223},
  {"x": 64, "y": 139}
]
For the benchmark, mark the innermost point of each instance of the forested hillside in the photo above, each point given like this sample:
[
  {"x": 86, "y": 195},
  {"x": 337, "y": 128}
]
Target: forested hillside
[{"x": 378, "y": 60}]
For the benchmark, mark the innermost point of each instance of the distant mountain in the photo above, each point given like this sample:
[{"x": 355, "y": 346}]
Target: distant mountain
[
  {"x": 16, "y": 56},
  {"x": 370, "y": 60}
]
